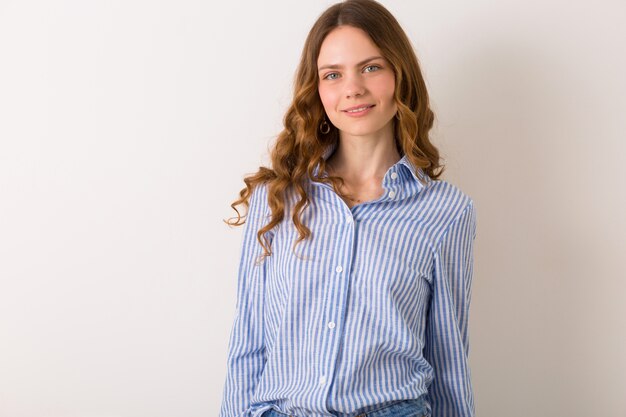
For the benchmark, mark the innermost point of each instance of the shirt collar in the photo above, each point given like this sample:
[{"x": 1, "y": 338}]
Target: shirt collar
[{"x": 416, "y": 173}]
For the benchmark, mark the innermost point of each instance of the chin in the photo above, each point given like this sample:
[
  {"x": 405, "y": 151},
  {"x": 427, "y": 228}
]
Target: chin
[{"x": 362, "y": 131}]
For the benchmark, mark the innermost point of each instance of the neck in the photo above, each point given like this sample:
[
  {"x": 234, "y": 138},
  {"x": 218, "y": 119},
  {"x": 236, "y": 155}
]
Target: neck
[{"x": 359, "y": 160}]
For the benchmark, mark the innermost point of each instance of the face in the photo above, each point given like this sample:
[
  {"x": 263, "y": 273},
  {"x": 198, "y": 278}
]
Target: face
[{"x": 352, "y": 72}]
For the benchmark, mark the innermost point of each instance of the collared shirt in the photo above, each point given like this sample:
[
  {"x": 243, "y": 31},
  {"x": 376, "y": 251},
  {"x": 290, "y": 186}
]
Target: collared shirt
[{"x": 371, "y": 309}]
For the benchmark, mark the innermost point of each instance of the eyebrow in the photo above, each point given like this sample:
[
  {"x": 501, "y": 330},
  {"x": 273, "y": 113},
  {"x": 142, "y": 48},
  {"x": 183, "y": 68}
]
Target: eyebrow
[{"x": 335, "y": 66}]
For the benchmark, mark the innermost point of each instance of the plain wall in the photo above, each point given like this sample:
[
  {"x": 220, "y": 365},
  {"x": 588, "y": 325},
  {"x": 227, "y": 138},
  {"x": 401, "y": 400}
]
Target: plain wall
[{"x": 126, "y": 128}]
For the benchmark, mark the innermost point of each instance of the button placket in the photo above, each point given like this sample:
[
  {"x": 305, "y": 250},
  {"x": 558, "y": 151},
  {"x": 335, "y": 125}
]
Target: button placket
[{"x": 350, "y": 222}]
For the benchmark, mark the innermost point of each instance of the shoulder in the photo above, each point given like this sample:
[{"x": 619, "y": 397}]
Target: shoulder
[
  {"x": 258, "y": 202},
  {"x": 448, "y": 194},
  {"x": 447, "y": 205}
]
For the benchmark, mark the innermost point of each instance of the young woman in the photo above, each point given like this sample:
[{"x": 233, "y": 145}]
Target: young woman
[{"x": 354, "y": 282}]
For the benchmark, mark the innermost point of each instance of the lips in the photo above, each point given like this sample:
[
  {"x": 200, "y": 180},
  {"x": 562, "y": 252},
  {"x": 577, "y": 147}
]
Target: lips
[{"x": 359, "y": 107}]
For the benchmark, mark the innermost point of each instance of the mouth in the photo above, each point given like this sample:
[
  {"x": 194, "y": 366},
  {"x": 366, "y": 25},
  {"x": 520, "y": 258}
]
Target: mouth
[{"x": 357, "y": 109}]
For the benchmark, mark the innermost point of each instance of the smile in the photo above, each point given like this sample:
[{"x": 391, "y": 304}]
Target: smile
[{"x": 359, "y": 111}]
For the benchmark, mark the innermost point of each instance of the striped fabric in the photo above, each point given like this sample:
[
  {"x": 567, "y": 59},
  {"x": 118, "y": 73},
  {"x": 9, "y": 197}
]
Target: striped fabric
[{"x": 372, "y": 309}]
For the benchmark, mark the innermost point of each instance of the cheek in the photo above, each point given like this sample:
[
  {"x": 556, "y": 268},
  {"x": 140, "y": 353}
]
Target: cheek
[
  {"x": 387, "y": 87},
  {"x": 327, "y": 97},
  {"x": 383, "y": 86}
]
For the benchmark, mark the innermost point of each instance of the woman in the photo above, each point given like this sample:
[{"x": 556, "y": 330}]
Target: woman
[{"x": 358, "y": 304}]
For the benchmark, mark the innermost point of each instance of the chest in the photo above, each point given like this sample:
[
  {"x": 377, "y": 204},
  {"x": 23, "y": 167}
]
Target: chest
[
  {"x": 353, "y": 195},
  {"x": 397, "y": 240}
]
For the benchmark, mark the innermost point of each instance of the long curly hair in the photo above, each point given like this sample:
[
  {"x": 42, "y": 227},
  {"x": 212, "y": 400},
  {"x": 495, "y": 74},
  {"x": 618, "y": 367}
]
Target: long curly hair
[{"x": 300, "y": 147}]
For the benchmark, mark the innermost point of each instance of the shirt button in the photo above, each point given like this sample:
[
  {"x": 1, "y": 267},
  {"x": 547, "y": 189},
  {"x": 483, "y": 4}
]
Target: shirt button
[
  {"x": 394, "y": 175},
  {"x": 392, "y": 194},
  {"x": 331, "y": 325},
  {"x": 349, "y": 218},
  {"x": 322, "y": 380},
  {"x": 339, "y": 269}
]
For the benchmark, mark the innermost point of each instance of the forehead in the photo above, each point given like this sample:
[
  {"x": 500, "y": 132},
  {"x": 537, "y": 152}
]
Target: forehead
[{"x": 346, "y": 45}]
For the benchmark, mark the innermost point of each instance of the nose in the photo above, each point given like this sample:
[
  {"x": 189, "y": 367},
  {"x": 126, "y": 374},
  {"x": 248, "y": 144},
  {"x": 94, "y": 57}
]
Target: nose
[{"x": 354, "y": 86}]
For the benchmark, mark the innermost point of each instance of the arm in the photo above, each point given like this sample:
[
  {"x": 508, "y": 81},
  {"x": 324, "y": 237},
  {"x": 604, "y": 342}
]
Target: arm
[
  {"x": 447, "y": 339},
  {"x": 246, "y": 349}
]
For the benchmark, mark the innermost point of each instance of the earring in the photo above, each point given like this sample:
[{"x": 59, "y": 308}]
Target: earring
[{"x": 324, "y": 127}]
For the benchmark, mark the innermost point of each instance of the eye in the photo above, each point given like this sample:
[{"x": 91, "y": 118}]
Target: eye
[
  {"x": 328, "y": 75},
  {"x": 373, "y": 66}
]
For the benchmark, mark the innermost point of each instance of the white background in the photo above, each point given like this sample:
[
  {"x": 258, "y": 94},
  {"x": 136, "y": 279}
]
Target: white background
[{"x": 126, "y": 128}]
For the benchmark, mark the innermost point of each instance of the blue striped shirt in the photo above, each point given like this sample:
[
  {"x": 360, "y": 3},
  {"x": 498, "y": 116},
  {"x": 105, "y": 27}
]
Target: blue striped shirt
[{"x": 371, "y": 310}]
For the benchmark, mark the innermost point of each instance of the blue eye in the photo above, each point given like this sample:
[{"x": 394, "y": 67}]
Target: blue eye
[{"x": 328, "y": 76}]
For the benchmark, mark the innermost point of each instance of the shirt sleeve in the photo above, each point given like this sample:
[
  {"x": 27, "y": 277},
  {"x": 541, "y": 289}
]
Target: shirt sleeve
[
  {"x": 447, "y": 339},
  {"x": 246, "y": 348}
]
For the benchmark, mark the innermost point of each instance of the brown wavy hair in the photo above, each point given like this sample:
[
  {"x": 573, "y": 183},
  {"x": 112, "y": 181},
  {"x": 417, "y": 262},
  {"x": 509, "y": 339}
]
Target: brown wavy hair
[{"x": 301, "y": 145}]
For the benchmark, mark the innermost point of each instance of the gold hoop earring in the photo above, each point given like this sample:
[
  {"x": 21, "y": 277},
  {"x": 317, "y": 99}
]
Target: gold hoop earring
[{"x": 324, "y": 127}]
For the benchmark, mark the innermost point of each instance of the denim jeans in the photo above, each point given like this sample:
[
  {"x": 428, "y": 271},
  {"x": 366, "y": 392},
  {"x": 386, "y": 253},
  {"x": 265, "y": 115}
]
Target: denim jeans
[{"x": 405, "y": 408}]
